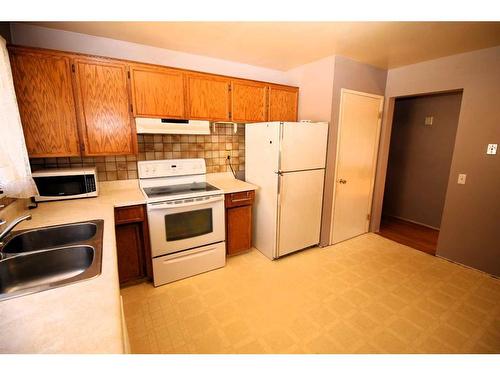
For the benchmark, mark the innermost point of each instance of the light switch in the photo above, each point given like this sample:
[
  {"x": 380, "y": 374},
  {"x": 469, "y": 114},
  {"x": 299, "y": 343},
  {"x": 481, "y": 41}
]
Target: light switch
[
  {"x": 492, "y": 149},
  {"x": 429, "y": 120},
  {"x": 461, "y": 178}
]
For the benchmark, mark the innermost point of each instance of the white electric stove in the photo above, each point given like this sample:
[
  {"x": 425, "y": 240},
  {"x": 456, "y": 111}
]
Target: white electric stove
[{"x": 186, "y": 218}]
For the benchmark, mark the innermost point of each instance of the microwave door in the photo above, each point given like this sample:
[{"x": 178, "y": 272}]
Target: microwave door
[
  {"x": 57, "y": 187},
  {"x": 53, "y": 186}
]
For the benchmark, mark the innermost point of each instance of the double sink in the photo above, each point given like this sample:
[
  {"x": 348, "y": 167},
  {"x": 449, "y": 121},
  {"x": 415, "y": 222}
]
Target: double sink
[{"x": 38, "y": 259}]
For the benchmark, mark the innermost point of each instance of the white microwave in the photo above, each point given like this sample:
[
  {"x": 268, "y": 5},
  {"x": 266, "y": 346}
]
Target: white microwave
[{"x": 65, "y": 183}]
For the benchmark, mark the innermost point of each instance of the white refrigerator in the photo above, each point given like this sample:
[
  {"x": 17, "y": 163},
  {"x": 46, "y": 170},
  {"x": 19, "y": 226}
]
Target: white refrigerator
[{"x": 286, "y": 160}]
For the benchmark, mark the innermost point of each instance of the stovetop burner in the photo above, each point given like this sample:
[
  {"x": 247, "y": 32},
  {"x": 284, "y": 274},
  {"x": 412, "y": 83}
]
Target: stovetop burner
[{"x": 181, "y": 189}]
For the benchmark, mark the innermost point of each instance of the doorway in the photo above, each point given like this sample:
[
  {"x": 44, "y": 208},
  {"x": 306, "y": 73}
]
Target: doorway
[
  {"x": 356, "y": 157},
  {"x": 421, "y": 148}
]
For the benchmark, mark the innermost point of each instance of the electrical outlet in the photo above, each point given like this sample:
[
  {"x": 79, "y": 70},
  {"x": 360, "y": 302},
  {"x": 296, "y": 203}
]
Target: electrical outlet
[
  {"x": 461, "y": 178},
  {"x": 429, "y": 120},
  {"x": 492, "y": 149}
]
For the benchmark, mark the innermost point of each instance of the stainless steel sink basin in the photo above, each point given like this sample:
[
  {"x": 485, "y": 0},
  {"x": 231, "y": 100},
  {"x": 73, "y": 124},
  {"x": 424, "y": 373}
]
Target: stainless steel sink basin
[
  {"x": 50, "y": 257},
  {"x": 49, "y": 237},
  {"x": 44, "y": 267}
]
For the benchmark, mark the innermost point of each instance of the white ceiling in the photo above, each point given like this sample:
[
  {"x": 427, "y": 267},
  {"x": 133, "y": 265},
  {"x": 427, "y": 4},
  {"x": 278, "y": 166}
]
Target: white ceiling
[{"x": 285, "y": 45}]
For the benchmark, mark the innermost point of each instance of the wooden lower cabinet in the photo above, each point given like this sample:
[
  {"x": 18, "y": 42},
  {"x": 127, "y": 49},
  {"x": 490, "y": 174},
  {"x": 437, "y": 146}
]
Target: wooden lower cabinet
[
  {"x": 130, "y": 247},
  {"x": 132, "y": 244},
  {"x": 239, "y": 221}
]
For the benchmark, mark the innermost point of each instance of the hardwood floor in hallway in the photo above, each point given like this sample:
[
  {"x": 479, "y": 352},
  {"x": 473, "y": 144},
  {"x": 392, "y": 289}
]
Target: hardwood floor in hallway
[{"x": 410, "y": 234}]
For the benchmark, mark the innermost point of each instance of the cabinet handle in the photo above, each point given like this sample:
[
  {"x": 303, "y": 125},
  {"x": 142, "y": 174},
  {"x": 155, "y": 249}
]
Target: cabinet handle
[{"x": 240, "y": 200}]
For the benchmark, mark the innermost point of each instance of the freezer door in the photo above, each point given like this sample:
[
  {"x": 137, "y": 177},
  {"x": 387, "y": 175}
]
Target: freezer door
[
  {"x": 261, "y": 149},
  {"x": 300, "y": 201},
  {"x": 303, "y": 145}
]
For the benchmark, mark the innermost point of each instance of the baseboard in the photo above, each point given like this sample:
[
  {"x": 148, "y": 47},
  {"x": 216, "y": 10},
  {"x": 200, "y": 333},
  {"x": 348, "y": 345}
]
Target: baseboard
[
  {"x": 466, "y": 266},
  {"x": 412, "y": 221}
]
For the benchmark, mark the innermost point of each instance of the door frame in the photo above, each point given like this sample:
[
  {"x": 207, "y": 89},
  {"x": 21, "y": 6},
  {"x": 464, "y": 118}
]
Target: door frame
[{"x": 344, "y": 91}]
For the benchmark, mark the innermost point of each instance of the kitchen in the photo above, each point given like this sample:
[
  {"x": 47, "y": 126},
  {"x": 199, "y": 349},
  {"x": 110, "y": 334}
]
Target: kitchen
[
  {"x": 205, "y": 219},
  {"x": 191, "y": 211}
]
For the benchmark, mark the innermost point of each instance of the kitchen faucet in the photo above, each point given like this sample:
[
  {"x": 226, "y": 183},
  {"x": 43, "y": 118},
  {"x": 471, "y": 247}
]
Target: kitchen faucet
[{"x": 11, "y": 226}]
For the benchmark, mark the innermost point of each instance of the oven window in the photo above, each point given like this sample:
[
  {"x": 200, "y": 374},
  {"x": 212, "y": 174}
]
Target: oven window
[
  {"x": 188, "y": 224},
  {"x": 60, "y": 185}
]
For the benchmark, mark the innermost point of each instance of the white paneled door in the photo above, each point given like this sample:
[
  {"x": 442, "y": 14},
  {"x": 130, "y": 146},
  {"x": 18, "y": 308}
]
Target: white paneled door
[{"x": 357, "y": 149}]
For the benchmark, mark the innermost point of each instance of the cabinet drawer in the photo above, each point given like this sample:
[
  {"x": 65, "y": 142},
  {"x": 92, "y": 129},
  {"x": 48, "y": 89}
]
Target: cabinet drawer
[
  {"x": 242, "y": 198},
  {"x": 131, "y": 214}
]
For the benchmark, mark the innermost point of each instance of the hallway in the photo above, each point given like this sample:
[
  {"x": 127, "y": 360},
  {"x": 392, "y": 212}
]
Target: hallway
[{"x": 410, "y": 234}]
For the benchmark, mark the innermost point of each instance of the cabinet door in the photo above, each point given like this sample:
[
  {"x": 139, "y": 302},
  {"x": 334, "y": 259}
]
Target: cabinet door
[
  {"x": 158, "y": 92},
  {"x": 283, "y": 103},
  {"x": 248, "y": 101},
  {"x": 45, "y": 98},
  {"x": 104, "y": 107},
  {"x": 130, "y": 252},
  {"x": 208, "y": 97},
  {"x": 239, "y": 229}
]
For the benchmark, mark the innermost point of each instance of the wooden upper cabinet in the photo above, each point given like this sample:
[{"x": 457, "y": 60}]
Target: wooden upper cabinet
[
  {"x": 283, "y": 103},
  {"x": 46, "y": 104},
  {"x": 157, "y": 92},
  {"x": 208, "y": 97},
  {"x": 72, "y": 104},
  {"x": 248, "y": 101},
  {"x": 104, "y": 107}
]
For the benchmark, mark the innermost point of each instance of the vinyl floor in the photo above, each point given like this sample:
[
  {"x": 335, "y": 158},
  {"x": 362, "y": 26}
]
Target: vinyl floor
[{"x": 365, "y": 295}]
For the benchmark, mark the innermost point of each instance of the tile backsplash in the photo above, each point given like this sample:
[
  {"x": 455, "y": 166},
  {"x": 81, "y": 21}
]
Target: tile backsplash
[{"x": 214, "y": 148}]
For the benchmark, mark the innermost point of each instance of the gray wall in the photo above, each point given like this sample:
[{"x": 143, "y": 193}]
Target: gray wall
[
  {"x": 5, "y": 31},
  {"x": 420, "y": 157},
  {"x": 353, "y": 75},
  {"x": 470, "y": 227}
]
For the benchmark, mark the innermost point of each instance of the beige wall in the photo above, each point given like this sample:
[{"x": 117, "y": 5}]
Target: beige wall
[
  {"x": 36, "y": 36},
  {"x": 470, "y": 227},
  {"x": 353, "y": 75},
  {"x": 420, "y": 157},
  {"x": 316, "y": 88}
]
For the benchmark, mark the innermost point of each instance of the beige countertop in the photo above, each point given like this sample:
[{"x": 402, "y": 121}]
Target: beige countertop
[
  {"x": 226, "y": 181},
  {"x": 84, "y": 317}
]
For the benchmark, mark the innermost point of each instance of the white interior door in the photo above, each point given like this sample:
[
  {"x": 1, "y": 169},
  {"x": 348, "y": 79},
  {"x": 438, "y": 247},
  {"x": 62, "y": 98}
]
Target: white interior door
[
  {"x": 300, "y": 201},
  {"x": 357, "y": 148},
  {"x": 303, "y": 145}
]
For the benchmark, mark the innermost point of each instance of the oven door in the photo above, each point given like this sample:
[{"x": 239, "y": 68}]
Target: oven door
[{"x": 185, "y": 224}]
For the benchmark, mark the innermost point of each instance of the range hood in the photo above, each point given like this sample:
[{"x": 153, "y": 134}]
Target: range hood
[{"x": 171, "y": 126}]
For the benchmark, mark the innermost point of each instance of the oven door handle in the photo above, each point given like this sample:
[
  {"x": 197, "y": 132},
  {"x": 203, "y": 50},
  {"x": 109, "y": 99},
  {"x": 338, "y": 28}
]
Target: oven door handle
[{"x": 163, "y": 205}]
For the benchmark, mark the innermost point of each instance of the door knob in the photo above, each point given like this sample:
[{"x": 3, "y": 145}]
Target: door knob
[{"x": 342, "y": 181}]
